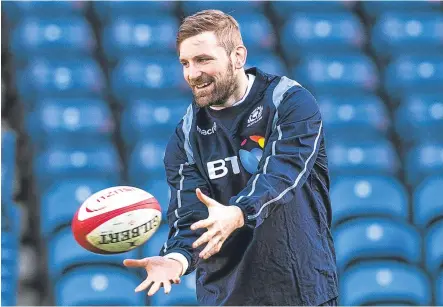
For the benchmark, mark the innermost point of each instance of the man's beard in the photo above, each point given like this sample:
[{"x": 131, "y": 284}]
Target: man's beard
[{"x": 223, "y": 89}]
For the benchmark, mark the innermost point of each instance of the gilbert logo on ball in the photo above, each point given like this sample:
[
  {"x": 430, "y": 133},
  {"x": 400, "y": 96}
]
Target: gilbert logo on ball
[{"x": 116, "y": 220}]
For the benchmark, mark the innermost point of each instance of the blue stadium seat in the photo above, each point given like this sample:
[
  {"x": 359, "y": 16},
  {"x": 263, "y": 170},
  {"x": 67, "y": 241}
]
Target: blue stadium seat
[
  {"x": 73, "y": 119},
  {"x": 439, "y": 290},
  {"x": 376, "y": 238},
  {"x": 160, "y": 189},
  {"x": 60, "y": 202},
  {"x": 109, "y": 11},
  {"x": 17, "y": 10},
  {"x": 434, "y": 248},
  {"x": 149, "y": 77},
  {"x": 257, "y": 32},
  {"x": 80, "y": 76},
  {"x": 419, "y": 118},
  {"x": 156, "y": 243},
  {"x": 428, "y": 205},
  {"x": 345, "y": 73},
  {"x": 385, "y": 282},
  {"x": 64, "y": 253},
  {"x": 8, "y": 165},
  {"x": 368, "y": 196},
  {"x": 183, "y": 294},
  {"x": 372, "y": 156},
  {"x": 424, "y": 160},
  {"x": 51, "y": 36},
  {"x": 99, "y": 285},
  {"x": 352, "y": 116},
  {"x": 58, "y": 162},
  {"x": 139, "y": 35},
  {"x": 407, "y": 74},
  {"x": 284, "y": 9},
  {"x": 376, "y": 8},
  {"x": 267, "y": 62},
  {"x": 407, "y": 32},
  {"x": 336, "y": 32},
  {"x": 230, "y": 7},
  {"x": 146, "y": 162},
  {"x": 153, "y": 119}
]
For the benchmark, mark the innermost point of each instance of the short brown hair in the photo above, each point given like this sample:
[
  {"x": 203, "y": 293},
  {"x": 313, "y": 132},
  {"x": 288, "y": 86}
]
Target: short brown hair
[{"x": 224, "y": 26}]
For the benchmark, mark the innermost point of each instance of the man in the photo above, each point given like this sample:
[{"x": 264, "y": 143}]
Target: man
[{"x": 247, "y": 167}]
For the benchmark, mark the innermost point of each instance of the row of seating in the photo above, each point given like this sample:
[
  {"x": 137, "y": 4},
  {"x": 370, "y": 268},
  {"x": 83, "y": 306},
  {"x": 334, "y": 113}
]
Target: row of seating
[
  {"x": 108, "y": 11},
  {"x": 395, "y": 245}
]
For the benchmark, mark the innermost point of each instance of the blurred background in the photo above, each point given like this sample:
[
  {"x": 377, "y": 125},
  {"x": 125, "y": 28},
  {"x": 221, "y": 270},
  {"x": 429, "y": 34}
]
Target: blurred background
[{"x": 91, "y": 92}]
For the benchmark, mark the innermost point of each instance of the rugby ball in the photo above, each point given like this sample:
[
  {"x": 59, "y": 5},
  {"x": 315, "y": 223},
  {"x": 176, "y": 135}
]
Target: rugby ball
[{"x": 116, "y": 220}]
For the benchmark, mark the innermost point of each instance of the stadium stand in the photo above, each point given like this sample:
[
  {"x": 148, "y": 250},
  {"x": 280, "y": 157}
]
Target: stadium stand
[{"x": 91, "y": 92}]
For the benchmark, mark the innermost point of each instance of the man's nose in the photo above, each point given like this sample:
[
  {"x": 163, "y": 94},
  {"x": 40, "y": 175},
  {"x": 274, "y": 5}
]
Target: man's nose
[{"x": 193, "y": 73}]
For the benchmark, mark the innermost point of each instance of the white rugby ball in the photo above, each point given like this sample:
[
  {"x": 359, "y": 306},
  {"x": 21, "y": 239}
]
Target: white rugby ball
[{"x": 116, "y": 220}]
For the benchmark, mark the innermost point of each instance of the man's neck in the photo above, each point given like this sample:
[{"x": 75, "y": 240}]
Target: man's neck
[{"x": 238, "y": 94}]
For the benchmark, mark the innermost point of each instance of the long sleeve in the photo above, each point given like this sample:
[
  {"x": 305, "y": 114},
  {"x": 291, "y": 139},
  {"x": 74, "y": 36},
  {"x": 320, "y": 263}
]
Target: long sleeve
[
  {"x": 288, "y": 157},
  {"x": 184, "y": 208}
]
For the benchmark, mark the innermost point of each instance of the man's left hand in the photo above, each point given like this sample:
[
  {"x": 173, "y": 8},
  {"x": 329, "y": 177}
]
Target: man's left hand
[{"x": 221, "y": 222}]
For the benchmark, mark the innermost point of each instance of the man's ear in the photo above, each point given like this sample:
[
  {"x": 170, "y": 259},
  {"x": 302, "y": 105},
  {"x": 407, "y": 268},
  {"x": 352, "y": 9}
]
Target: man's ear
[{"x": 240, "y": 54}]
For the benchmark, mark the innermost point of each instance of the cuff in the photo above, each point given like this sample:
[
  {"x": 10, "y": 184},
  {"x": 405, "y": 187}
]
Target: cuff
[{"x": 180, "y": 258}]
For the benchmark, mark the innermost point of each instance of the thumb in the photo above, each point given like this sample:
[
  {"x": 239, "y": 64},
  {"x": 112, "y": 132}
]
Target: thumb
[
  {"x": 134, "y": 263},
  {"x": 208, "y": 201}
]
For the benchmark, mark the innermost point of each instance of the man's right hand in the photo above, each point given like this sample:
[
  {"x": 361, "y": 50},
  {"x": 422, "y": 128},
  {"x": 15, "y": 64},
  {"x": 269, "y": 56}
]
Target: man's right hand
[{"x": 161, "y": 271}]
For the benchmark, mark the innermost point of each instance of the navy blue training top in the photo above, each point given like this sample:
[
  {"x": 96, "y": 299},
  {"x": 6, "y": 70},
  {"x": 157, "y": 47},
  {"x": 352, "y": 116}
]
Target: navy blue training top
[{"x": 267, "y": 156}]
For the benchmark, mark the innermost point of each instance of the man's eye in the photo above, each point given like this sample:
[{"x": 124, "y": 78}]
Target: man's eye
[{"x": 203, "y": 60}]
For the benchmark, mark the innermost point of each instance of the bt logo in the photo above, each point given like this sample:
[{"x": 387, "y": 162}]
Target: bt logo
[
  {"x": 249, "y": 160},
  {"x": 218, "y": 169}
]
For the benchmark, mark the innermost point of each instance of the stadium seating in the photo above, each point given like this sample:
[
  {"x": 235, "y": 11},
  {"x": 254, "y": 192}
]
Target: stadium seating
[
  {"x": 268, "y": 62},
  {"x": 62, "y": 200},
  {"x": 139, "y": 36},
  {"x": 67, "y": 119},
  {"x": 337, "y": 74},
  {"x": 147, "y": 76},
  {"x": 434, "y": 248},
  {"x": 409, "y": 73},
  {"x": 385, "y": 283},
  {"x": 285, "y": 9},
  {"x": 350, "y": 117},
  {"x": 146, "y": 161},
  {"x": 112, "y": 10},
  {"x": 419, "y": 118},
  {"x": 153, "y": 119},
  {"x": 374, "y": 10},
  {"x": 368, "y": 196},
  {"x": 397, "y": 32},
  {"x": 52, "y": 36},
  {"x": 423, "y": 160},
  {"x": 232, "y": 7},
  {"x": 18, "y": 10},
  {"x": 428, "y": 208},
  {"x": 304, "y": 33},
  {"x": 257, "y": 32},
  {"x": 69, "y": 77},
  {"x": 64, "y": 253},
  {"x": 99, "y": 285},
  {"x": 376, "y": 238},
  {"x": 57, "y": 162},
  {"x": 362, "y": 157}
]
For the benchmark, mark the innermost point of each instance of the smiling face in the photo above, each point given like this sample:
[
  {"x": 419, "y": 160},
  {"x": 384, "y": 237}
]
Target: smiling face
[{"x": 208, "y": 69}]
